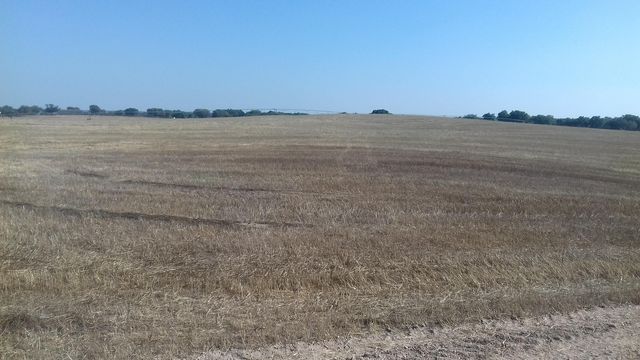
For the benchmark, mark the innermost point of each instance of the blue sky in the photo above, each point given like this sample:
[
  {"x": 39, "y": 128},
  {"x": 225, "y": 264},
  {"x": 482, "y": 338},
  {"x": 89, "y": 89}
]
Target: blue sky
[{"x": 566, "y": 58}]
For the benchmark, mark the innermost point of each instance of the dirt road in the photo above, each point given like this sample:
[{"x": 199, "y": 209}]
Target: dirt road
[{"x": 609, "y": 333}]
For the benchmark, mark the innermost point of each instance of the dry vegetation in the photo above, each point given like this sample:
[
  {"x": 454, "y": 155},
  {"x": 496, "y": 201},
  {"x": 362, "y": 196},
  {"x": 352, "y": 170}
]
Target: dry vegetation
[{"x": 124, "y": 238}]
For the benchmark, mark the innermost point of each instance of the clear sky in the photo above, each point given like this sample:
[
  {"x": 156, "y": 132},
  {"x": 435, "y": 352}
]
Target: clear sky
[{"x": 440, "y": 57}]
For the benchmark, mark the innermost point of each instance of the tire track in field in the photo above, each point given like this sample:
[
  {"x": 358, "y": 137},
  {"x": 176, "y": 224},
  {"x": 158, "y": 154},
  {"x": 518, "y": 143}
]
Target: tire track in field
[
  {"x": 91, "y": 174},
  {"x": 149, "y": 217},
  {"x": 212, "y": 188}
]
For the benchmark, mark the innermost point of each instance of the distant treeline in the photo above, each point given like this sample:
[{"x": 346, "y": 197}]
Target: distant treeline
[
  {"x": 624, "y": 122},
  {"x": 51, "y": 109}
]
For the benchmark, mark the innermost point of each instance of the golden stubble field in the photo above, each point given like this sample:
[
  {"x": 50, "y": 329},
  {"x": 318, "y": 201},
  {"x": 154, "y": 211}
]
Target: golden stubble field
[{"x": 133, "y": 237}]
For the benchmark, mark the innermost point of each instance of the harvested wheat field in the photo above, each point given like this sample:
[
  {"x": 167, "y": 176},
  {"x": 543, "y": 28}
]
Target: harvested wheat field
[
  {"x": 607, "y": 333},
  {"x": 138, "y": 238}
]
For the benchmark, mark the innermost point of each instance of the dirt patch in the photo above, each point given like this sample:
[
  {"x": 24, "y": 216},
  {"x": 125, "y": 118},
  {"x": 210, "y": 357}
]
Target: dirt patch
[
  {"x": 149, "y": 217},
  {"x": 593, "y": 333}
]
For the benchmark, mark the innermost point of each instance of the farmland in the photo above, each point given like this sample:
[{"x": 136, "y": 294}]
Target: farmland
[{"x": 125, "y": 238}]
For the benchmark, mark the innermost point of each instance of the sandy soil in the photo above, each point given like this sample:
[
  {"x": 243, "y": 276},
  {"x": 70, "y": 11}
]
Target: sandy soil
[{"x": 609, "y": 333}]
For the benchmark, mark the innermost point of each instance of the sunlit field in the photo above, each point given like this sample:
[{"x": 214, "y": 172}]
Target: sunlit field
[{"x": 133, "y": 237}]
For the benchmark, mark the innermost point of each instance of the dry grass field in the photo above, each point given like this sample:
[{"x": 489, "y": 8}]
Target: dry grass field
[{"x": 138, "y": 238}]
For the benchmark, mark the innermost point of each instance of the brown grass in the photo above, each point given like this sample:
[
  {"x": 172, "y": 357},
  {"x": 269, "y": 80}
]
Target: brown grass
[{"x": 124, "y": 238}]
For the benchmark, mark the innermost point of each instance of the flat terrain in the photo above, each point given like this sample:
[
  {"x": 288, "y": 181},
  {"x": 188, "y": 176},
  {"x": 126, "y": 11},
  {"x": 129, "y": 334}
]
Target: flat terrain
[
  {"x": 132, "y": 237},
  {"x": 608, "y": 333}
]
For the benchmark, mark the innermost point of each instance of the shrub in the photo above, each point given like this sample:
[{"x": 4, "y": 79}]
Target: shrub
[{"x": 519, "y": 115}]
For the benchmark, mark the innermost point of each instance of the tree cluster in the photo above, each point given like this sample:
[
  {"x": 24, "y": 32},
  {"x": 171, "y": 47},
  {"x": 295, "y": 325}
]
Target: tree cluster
[
  {"x": 49, "y": 109},
  {"x": 227, "y": 113},
  {"x": 206, "y": 113},
  {"x": 624, "y": 122},
  {"x": 7, "y": 110}
]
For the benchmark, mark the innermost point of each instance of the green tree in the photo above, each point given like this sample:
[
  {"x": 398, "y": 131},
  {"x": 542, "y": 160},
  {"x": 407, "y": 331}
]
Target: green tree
[
  {"x": 51, "y": 109},
  {"x": 380, "y": 111},
  {"x": 201, "y": 113},
  {"x": 621, "y": 124},
  {"x": 542, "y": 119},
  {"x": 489, "y": 116},
  {"x": 220, "y": 113},
  {"x": 7, "y": 110},
  {"x": 131, "y": 112},
  {"x": 504, "y": 114},
  {"x": 29, "y": 110},
  {"x": 235, "y": 112},
  {"x": 227, "y": 113},
  {"x": 596, "y": 122},
  {"x": 254, "y": 113},
  {"x": 155, "y": 112},
  {"x": 95, "y": 109},
  {"x": 519, "y": 115},
  {"x": 178, "y": 114},
  {"x": 633, "y": 121}
]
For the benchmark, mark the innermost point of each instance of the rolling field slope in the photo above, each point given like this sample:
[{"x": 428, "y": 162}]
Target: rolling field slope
[{"x": 134, "y": 237}]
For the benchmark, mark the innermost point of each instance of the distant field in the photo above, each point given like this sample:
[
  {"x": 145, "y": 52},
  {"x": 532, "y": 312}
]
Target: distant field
[{"x": 132, "y": 237}]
